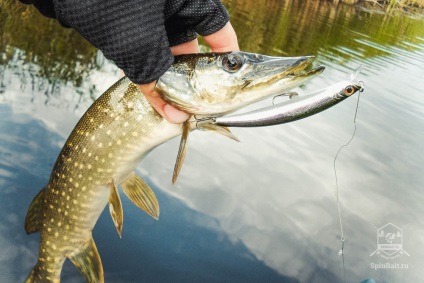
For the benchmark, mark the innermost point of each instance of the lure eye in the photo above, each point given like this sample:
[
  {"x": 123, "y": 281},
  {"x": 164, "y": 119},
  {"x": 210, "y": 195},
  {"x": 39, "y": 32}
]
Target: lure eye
[
  {"x": 232, "y": 62},
  {"x": 349, "y": 90}
]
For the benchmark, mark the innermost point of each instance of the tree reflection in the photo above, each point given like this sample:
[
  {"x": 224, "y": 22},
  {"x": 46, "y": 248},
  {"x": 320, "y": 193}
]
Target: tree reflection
[
  {"x": 305, "y": 27},
  {"x": 26, "y": 37}
]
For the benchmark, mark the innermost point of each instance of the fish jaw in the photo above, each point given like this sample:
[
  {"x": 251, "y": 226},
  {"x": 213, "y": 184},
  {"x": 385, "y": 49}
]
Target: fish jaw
[{"x": 220, "y": 83}]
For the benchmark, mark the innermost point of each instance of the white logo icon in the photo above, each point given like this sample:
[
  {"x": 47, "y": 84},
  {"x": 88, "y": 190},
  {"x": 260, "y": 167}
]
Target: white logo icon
[{"x": 389, "y": 242}]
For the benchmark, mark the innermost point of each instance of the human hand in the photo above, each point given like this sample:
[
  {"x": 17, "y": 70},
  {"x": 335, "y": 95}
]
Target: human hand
[
  {"x": 223, "y": 40},
  {"x": 136, "y": 35}
]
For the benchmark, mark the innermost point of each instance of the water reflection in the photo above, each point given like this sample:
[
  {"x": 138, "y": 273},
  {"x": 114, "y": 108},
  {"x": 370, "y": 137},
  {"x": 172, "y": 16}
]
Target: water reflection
[
  {"x": 304, "y": 27},
  {"x": 59, "y": 53},
  {"x": 24, "y": 166},
  {"x": 260, "y": 210}
]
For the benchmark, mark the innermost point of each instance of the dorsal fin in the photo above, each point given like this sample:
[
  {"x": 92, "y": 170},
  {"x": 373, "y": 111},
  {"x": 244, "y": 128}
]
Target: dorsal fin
[
  {"x": 219, "y": 130},
  {"x": 34, "y": 214},
  {"x": 181, "y": 151},
  {"x": 88, "y": 262},
  {"x": 141, "y": 195},
  {"x": 115, "y": 207}
]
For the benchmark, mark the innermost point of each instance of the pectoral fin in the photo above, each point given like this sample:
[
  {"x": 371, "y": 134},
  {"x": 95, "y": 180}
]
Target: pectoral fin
[
  {"x": 115, "y": 207},
  {"x": 219, "y": 130},
  {"x": 141, "y": 195},
  {"x": 34, "y": 215},
  {"x": 181, "y": 151},
  {"x": 88, "y": 262}
]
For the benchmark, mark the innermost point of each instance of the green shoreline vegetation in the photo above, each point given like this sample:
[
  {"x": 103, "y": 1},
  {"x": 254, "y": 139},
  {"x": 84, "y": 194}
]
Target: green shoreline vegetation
[{"x": 413, "y": 6}]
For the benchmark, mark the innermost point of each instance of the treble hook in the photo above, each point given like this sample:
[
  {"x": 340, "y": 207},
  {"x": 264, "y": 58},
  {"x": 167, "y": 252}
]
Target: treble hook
[
  {"x": 209, "y": 119},
  {"x": 291, "y": 95}
]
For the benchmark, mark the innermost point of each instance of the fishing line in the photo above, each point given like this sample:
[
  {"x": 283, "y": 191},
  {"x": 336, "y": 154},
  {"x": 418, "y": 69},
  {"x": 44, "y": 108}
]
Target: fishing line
[{"x": 342, "y": 238}]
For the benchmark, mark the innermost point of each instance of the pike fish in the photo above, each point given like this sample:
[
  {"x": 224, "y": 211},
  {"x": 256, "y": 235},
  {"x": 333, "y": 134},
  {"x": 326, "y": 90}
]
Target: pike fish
[{"x": 119, "y": 129}]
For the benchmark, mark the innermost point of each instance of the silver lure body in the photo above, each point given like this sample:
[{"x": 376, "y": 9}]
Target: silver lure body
[{"x": 292, "y": 110}]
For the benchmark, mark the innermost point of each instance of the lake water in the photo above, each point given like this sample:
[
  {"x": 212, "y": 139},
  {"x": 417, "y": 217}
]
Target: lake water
[{"x": 263, "y": 210}]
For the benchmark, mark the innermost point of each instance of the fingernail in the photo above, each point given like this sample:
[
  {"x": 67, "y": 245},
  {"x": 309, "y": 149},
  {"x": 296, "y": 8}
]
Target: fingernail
[{"x": 174, "y": 115}]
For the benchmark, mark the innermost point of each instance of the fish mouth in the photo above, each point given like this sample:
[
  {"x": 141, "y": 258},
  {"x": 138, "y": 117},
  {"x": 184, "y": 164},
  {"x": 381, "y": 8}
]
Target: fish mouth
[
  {"x": 280, "y": 66},
  {"x": 298, "y": 77},
  {"x": 279, "y": 72},
  {"x": 299, "y": 64},
  {"x": 313, "y": 72}
]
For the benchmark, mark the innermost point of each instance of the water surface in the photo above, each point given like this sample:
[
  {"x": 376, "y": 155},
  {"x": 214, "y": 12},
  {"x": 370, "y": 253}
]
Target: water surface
[{"x": 263, "y": 210}]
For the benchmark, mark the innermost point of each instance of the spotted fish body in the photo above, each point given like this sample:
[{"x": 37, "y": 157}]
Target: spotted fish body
[
  {"x": 101, "y": 152},
  {"x": 116, "y": 132}
]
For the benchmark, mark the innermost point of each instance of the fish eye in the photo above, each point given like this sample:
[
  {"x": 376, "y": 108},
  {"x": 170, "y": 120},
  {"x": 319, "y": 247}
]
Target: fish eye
[
  {"x": 232, "y": 62},
  {"x": 349, "y": 90}
]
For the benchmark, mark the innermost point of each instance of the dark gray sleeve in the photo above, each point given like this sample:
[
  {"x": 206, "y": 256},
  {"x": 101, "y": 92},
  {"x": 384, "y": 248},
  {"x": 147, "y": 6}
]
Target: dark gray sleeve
[
  {"x": 44, "y": 6},
  {"x": 129, "y": 32},
  {"x": 187, "y": 18},
  {"x": 137, "y": 34}
]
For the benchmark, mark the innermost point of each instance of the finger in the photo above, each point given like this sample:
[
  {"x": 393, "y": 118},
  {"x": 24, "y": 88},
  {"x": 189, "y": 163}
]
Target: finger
[
  {"x": 170, "y": 113},
  {"x": 186, "y": 48},
  {"x": 223, "y": 40}
]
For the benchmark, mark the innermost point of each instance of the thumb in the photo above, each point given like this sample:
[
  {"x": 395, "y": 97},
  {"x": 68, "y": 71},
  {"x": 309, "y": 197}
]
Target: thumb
[{"x": 223, "y": 40}]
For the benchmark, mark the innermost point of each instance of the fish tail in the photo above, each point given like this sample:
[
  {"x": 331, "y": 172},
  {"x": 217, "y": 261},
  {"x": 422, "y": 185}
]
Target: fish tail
[
  {"x": 41, "y": 274},
  {"x": 88, "y": 262},
  {"x": 86, "y": 259}
]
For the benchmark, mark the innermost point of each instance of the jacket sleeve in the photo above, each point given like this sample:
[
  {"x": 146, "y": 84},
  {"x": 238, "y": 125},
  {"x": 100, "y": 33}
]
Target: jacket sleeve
[
  {"x": 187, "y": 18},
  {"x": 129, "y": 32},
  {"x": 137, "y": 34}
]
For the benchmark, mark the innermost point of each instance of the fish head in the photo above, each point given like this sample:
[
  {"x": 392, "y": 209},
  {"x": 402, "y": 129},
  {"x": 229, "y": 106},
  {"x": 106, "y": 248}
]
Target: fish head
[{"x": 220, "y": 83}]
